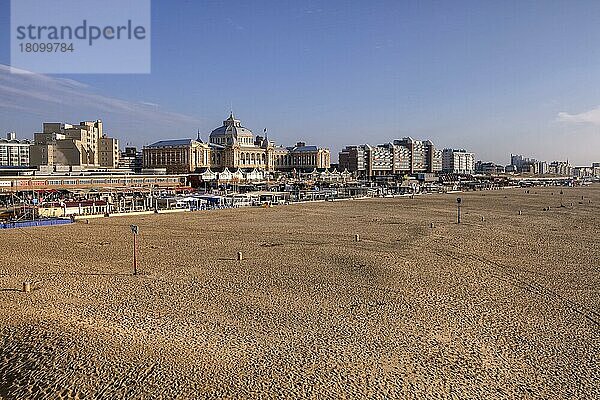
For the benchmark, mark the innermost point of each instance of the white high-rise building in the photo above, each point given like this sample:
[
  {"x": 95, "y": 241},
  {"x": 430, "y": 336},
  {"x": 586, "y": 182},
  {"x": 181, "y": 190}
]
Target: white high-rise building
[
  {"x": 13, "y": 152},
  {"x": 402, "y": 156},
  {"x": 458, "y": 161}
]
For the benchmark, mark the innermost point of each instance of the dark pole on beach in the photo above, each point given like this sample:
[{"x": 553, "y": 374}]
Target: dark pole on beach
[
  {"x": 561, "y": 198},
  {"x": 458, "y": 201},
  {"x": 134, "y": 230}
]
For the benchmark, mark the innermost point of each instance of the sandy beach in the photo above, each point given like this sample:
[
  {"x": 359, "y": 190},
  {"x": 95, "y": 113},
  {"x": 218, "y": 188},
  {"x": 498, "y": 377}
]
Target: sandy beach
[{"x": 505, "y": 305}]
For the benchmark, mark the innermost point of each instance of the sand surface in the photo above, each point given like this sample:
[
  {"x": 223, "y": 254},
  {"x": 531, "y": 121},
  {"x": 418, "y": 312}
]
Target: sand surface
[{"x": 503, "y": 308}]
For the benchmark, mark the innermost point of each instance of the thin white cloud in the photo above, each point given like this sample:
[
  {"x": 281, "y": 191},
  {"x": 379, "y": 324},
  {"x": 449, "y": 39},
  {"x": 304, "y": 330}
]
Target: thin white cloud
[
  {"x": 147, "y": 103},
  {"x": 37, "y": 94},
  {"x": 591, "y": 117}
]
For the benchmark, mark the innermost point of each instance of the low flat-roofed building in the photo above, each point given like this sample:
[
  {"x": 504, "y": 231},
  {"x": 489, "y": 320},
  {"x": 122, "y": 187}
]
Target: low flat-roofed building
[{"x": 489, "y": 168}]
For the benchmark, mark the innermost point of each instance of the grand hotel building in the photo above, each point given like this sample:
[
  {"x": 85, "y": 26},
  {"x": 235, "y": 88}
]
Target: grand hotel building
[{"x": 233, "y": 146}]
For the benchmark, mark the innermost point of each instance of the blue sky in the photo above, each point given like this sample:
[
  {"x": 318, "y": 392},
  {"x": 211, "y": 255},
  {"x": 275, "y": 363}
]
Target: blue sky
[{"x": 493, "y": 77}]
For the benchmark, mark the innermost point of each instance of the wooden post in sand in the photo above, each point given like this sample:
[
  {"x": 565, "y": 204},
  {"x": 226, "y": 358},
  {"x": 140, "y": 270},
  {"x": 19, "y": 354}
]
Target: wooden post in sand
[
  {"x": 458, "y": 201},
  {"x": 26, "y": 287},
  {"x": 239, "y": 256},
  {"x": 357, "y": 238},
  {"x": 134, "y": 230}
]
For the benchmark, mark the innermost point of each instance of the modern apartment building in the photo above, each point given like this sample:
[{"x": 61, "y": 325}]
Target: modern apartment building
[
  {"x": 13, "y": 152},
  {"x": 109, "y": 152},
  {"x": 131, "y": 160},
  {"x": 424, "y": 157},
  {"x": 354, "y": 159},
  {"x": 596, "y": 169},
  {"x": 458, "y": 161},
  {"x": 523, "y": 164},
  {"x": 562, "y": 168},
  {"x": 584, "y": 172},
  {"x": 381, "y": 160},
  {"x": 401, "y": 157}
]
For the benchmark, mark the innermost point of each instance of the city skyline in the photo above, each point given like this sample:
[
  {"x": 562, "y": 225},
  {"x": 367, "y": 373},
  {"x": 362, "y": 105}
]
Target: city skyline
[
  {"x": 12, "y": 135},
  {"x": 471, "y": 77}
]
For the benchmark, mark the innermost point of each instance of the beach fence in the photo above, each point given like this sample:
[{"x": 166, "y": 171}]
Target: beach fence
[{"x": 39, "y": 222}]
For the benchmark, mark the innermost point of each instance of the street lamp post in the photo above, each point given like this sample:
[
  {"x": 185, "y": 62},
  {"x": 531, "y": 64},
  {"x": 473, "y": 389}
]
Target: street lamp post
[{"x": 134, "y": 230}]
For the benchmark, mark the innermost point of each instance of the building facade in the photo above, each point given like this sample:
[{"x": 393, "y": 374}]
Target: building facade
[
  {"x": 562, "y": 168},
  {"x": 130, "y": 159},
  {"x": 232, "y": 147},
  {"x": 436, "y": 160},
  {"x": 541, "y": 167},
  {"x": 109, "y": 152},
  {"x": 401, "y": 157},
  {"x": 354, "y": 159},
  {"x": 583, "y": 172},
  {"x": 489, "y": 168},
  {"x": 381, "y": 160},
  {"x": 524, "y": 164},
  {"x": 301, "y": 157},
  {"x": 458, "y": 161},
  {"x": 596, "y": 169},
  {"x": 13, "y": 152},
  {"x": 177, "y": 156},
  {"x": 424, "y": 157},
  {"x": 61, "y": 144}
]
